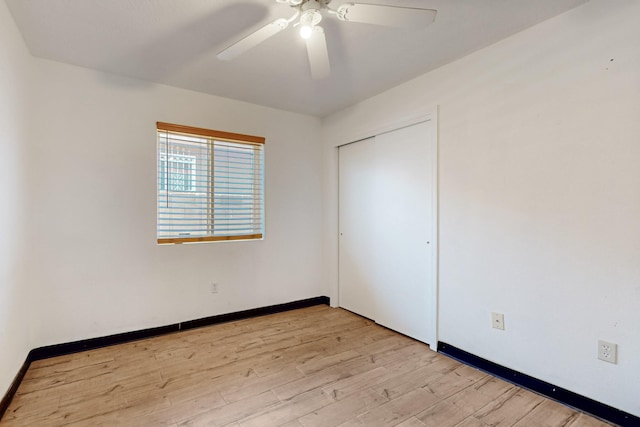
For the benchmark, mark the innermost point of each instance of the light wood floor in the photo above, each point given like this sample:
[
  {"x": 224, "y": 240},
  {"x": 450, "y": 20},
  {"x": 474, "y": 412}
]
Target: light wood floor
[{"x": 313, "y": 367}]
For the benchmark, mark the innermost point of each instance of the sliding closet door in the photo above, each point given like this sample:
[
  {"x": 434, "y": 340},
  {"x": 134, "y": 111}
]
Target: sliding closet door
[{"x": 387, "y": 227}]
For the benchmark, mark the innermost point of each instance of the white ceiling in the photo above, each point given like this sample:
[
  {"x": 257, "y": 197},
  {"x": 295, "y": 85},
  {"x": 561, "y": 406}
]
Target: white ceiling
[{"x": 175, "y": 42}]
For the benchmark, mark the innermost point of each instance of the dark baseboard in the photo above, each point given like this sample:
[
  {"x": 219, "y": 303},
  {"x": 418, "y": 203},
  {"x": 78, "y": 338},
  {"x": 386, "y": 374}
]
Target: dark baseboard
[
  {"x": 94, "y": 343},
  {"x": 582, "y": 403},
  {"x": 255, "y": 312},
  {"x": 13, "y": 388}
]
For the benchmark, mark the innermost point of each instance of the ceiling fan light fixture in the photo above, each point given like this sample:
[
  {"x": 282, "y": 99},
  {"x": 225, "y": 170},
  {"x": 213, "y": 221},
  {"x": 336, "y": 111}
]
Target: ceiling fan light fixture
[
  {"x": 306, "y": 31},
  {"x": 308, "y": 20}
]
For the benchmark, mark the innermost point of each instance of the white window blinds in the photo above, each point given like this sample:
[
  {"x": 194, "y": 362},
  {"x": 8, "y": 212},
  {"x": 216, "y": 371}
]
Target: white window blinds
[{"x": 210, "y": 185}]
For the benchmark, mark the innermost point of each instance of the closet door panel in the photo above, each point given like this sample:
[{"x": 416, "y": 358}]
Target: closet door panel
[{"x": 386, "y": 229}]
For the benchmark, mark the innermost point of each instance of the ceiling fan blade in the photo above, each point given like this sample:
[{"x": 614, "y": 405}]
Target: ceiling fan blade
[
  {"x": 392, "y": 16},
  {"x": 253, "y": 39},
  {"x": 318, "y": 54}
]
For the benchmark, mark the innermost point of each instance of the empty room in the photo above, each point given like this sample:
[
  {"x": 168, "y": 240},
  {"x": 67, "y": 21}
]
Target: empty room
[{"x": 320, "y": 213}]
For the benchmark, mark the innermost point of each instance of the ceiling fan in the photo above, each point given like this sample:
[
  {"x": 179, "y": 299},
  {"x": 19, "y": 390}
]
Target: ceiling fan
[{"x": 309, "y": 14}]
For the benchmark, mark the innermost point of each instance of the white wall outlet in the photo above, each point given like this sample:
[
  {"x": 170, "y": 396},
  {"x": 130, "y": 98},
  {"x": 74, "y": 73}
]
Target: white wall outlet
[
  {"x": 497, "y": 321},
  {"x": 608, "y": 351},
  {"x": 214, "y": 288}
]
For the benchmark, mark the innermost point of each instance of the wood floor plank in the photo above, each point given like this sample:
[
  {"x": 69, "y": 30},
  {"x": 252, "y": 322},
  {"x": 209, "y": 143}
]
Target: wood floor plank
[
  {"x": 400, "y": 409},
  {"x": 443, "y": 414},
  {"x": 472, "y": 422},
  {"x": 584, "y": 420},
  {"x": 321, "y": 362},
  {"x": 459, "y": 406},
  {"x": 509, "y": 408},
  {"x": 420, "y": 377},
  {"x": 309, "y": 382},
  {"x": 233, "y": 412},
  {"x": 349, "y": 385},
  {"x": 453, "y": 381},
  {"x": 289, "y": 410},
  {"x": 283, "y": 359},
  {"x": 548, "y": 414},
  {"x": 342, "y": 411},
  {"x": 32, "y": 408},
  {"x": 252, "y": 385},
  {"x": 411, "y": 422},
  {"x": 181, "y": 410},
  {"x": 312, "y": 367}
]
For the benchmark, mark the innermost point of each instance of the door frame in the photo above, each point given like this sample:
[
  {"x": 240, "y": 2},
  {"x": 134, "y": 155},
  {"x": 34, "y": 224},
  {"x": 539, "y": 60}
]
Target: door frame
[{"x": 433, "y": 290}]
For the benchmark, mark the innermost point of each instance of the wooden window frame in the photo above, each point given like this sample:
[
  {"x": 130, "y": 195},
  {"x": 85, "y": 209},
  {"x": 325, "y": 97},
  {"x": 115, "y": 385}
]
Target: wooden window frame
[{"x": 220, "y": 136}]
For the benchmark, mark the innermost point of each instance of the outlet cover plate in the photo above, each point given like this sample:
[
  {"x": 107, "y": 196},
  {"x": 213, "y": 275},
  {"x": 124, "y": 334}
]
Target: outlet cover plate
[
  {"x": 497, "y": 321},
  {"x": 608, "y": 351}
]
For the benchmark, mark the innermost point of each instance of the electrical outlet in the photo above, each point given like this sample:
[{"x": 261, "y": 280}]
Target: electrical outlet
[
  {"x": 214, "y": 288},
  {"x": 497, "y": 321},
  {"x": 608, "y": 351}
]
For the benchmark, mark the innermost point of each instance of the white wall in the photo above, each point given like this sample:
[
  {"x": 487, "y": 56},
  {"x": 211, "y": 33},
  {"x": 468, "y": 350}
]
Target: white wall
[
  {"x": 15, "y": 305},
  {"x": 539, "y": 196},
  {"x": 97, "y": 266}
]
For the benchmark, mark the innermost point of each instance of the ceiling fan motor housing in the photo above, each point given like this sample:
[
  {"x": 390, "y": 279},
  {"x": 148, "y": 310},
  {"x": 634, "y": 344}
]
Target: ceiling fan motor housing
[{"x": 311, "y": 13}]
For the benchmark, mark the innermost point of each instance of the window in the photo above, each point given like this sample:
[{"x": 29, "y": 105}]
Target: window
[
  {"x": 181, "y": 175},
  {"x": 210, "y": 185}
]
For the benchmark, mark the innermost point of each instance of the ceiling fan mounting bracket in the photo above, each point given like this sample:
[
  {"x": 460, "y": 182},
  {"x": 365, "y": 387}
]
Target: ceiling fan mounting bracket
[
  {"x": 306, "y": 4},
  {"x": 311, "y": 5}
]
